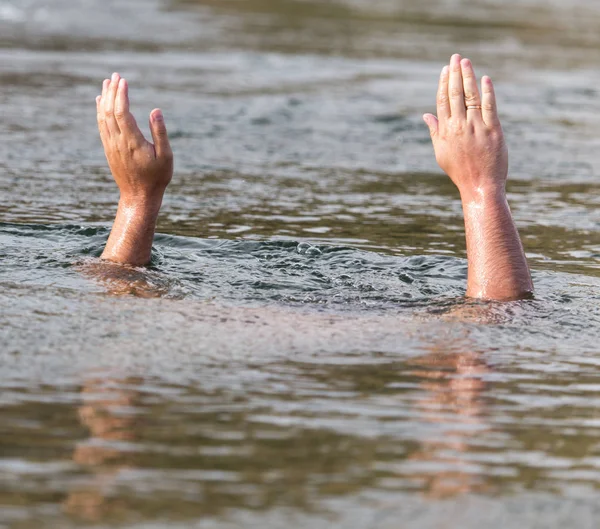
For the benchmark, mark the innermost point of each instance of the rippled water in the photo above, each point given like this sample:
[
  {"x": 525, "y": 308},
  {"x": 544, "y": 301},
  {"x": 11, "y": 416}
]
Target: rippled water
[{"x": 300, "y": 352}]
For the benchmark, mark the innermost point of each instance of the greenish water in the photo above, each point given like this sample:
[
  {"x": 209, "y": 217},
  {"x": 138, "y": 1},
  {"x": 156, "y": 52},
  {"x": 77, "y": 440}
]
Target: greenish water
[{"x": 300, "y": 353}]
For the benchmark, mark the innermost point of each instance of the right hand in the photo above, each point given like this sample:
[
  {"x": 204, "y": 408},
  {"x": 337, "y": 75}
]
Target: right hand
[
  {"x": 469, "y": 143},
  {"x": 142, "y": 170}
]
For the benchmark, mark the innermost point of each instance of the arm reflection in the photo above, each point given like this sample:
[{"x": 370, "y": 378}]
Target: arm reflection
[
  {"x": 106, "y": 414},
  {"x": 454, "y": 386}
]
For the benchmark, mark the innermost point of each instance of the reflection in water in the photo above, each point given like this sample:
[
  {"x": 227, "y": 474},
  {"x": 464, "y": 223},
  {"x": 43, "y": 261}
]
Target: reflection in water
[
  {"x": 109, "y": 413},
  {"x": 454, "y": 402},
  {"x": 297, "y": 126},
  {"x": 287, "y": 463},
  {"x": 312, "y": 434}
]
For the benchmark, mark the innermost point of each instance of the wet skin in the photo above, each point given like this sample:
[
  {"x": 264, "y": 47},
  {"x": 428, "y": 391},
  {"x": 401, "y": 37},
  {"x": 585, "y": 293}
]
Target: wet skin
[
  {"x": 469, "y": 146},
  {"x": 142, "y": 171}
]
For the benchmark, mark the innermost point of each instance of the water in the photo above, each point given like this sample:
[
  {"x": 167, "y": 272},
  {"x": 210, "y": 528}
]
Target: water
[{"x": 300, "y": 352}]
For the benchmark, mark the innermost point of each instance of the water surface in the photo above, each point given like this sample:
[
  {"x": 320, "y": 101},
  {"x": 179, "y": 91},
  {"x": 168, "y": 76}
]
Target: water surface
[{"x": 300, "y": 352}]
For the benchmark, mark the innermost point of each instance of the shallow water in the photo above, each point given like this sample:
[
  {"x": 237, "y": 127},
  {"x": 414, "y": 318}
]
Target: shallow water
[{"x": 300, "y": 352}]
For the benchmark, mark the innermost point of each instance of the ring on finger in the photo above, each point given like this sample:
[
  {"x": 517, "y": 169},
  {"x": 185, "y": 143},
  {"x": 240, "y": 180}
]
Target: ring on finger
[{"x": 473, "y": 107}]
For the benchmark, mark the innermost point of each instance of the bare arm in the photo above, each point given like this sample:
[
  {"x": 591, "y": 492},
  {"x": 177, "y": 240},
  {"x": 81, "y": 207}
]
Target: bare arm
[
  {"x": 142, "y": 171},
  {"x": 469, "y": 146}
]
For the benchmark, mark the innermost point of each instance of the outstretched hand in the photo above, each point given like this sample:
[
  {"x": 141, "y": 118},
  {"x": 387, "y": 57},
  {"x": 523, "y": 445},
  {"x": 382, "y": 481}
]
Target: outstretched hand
[
  {"x": 469, "y": 146},
  {"x": 466, "y": 134},
  {"x": 142, "y": 170}
]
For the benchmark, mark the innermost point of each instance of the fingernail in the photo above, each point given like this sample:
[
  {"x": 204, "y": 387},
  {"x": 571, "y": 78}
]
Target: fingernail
[
  {"x": 157, "y": 116},
  {"x": 115, "y": 76},
  {"x": 445, "y": 70}
]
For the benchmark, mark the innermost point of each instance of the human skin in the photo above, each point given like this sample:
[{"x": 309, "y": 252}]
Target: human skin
[
  {"x": 470, "y": 148},
  {"x": 142, "y": 171}
]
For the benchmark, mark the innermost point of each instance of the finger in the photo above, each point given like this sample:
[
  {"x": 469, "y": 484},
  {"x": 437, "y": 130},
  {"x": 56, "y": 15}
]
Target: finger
[
  {"x": 159, "y": 134},
  {"x": 98, "y": 101},
  {"x": 127, "y": 124},
  {"x": 455, "y": 89},
  {"x": 100, "y": 109},
  {"x": 109, "y": 105},
  {"x": 100, "y": 119},
  {"x": 98, "y": 115},
  {"x": 489, "y": 107},
  {"x": 105, "y": 85},
  {"x": 472, "y": 97},
  {"x": 432, "y": 122},
  {"x": 443, "y": 102}
]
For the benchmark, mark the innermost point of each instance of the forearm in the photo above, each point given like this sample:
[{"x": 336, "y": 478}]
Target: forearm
[
  {"x": 497, "y": 266},
  {"x": 132, "y": 234}
]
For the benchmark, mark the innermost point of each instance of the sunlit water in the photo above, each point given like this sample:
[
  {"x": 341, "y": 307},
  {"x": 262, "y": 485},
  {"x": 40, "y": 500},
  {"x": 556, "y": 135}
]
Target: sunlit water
[{"x": 300, "y": 352}]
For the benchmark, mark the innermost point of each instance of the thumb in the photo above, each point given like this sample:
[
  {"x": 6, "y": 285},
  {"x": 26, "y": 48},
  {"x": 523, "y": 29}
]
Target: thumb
[
  {"x": 432, "y": 122},
  {"x": 159, "y": 134}
]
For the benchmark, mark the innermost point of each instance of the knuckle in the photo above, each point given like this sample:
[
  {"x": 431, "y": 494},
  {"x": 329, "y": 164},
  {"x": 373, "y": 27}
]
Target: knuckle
[
  {"x": 442, "y": 98},
  {"x": 456, "y": 93},
  {"x": 489, "y": 107},
  {"x": 456, "y": 124},
  {"x": 471, "y": 97},
  {"x": 486, "y": 134},
  {"x": 468, "y": 73}
]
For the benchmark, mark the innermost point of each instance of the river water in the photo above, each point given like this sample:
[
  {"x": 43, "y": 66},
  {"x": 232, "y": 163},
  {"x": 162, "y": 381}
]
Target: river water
[{"x": 300, "y": 353}]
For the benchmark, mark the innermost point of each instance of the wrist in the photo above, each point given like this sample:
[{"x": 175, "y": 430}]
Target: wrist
[
  {"x": 142, "y": 204},
  {"x": 483, "y": 195}
]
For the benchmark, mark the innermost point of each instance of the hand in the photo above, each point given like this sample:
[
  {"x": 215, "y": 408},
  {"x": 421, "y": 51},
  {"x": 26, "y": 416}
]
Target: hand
[
  {"x": 142, "y": 170},
  {"x": 469, "y": 146},
  {"x": 468, "y": 142}
]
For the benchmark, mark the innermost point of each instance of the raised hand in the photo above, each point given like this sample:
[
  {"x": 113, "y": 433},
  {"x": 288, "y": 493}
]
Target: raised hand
[
  {"x": 469, "y": 146},
  {"x": 142, "y": 171},
  {"x": 467, "y": 134}
]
